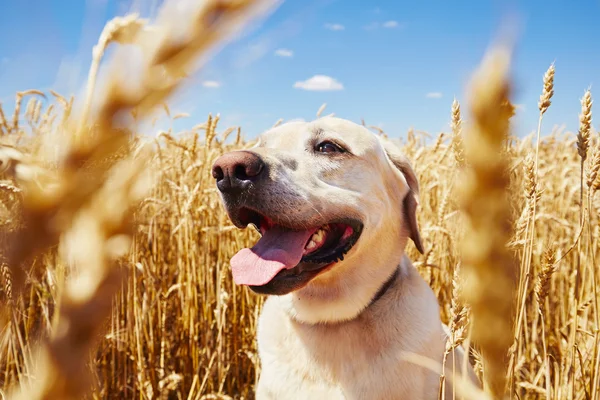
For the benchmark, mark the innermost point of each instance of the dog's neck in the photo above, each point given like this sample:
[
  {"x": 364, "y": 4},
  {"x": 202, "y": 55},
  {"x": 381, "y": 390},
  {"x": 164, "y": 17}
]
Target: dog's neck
[
  {"x": 344, "y": 297},
  {"x": 385, "y": 286}
]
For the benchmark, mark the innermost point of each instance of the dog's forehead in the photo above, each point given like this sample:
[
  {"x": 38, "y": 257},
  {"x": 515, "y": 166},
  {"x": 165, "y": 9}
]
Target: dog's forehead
[
  {"x": 298, "y": 132},
  {"x": 284, "y": 135}
]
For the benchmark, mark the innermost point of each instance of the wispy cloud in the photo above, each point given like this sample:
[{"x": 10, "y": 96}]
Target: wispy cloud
[
  {"x": 387, "y": 25},
  {"x": 335, "y": 27},
  {"x": 234, "y": 119},
  {"x": 434, "y": 95},
  {"x": 252, "y": 52},
  {"x": 284, "y": 53},
  {"x": 319, "y": 83},
  {"x": 211, "y": 84}
]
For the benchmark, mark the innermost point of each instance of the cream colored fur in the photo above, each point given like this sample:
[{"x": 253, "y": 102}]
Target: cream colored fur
[{"x": 325, "y": 340}]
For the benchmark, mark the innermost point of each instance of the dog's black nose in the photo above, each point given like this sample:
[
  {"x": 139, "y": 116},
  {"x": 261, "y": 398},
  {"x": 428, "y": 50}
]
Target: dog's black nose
[{"x": 235, "y": 171}]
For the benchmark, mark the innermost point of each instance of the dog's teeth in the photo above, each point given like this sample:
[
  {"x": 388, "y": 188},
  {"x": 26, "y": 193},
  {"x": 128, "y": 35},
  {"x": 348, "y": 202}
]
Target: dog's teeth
[
  {"x": 318, "y": 236},
  {"x": 311, "y": 245}
]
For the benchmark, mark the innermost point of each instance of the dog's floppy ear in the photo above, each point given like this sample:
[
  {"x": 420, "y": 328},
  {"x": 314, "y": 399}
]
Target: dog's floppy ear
[{"x": 410, "y": 202}]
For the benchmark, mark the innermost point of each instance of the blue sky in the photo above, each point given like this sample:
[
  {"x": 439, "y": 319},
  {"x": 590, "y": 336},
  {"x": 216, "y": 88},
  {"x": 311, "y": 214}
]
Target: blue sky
[{"x": 397, "y": 64}]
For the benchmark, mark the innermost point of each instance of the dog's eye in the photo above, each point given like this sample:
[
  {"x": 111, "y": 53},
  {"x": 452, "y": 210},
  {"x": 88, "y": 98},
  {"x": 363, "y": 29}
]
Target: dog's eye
[{"x": 329, "y": 147}]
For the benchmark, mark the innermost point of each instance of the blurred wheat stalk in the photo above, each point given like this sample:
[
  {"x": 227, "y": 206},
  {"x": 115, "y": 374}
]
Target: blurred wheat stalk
[
  {"x": 85, "y": 202},
  {"x": 488, "y": 264}
]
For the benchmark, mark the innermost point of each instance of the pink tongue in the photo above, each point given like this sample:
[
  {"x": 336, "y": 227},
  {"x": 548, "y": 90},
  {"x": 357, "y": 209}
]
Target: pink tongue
[{"x": 276, "y": 250}]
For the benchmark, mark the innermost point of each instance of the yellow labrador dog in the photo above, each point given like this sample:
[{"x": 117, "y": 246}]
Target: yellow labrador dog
[{"x": 335, "y": 205}]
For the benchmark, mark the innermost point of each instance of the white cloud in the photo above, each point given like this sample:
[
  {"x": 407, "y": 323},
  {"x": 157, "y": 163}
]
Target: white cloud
[
  {"x": 211, "y": 84},
  {"x": 319, "y": 83},
  {"x": 391, "y": 24},
  {"x": 284, "y": 53},
  {"x": 335, "y": 27},
  {"x": 434, "y": 95}
]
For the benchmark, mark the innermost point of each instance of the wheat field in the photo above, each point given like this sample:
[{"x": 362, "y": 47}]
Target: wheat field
[{"x": 115, "y": 276}]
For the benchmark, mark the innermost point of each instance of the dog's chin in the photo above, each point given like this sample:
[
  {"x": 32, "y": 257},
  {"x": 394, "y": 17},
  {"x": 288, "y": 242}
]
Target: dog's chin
[{"x": 337, "y": 238}]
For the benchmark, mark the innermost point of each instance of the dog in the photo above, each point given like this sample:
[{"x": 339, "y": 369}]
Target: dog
[{"x": 335, "y": 205}]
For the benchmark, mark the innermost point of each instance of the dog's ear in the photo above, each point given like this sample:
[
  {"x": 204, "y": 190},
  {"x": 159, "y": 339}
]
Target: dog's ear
[{"x": 410, "y": 202}]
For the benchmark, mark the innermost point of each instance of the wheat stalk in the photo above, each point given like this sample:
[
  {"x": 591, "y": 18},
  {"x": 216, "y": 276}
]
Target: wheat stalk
[
  {"x": 457, "y": 141},
  {"x": 548, "y": 91},
  {"x": 321, "y": 109},
  {"x": 487, "y": 263},
  {"x": 123, "y": 30}
]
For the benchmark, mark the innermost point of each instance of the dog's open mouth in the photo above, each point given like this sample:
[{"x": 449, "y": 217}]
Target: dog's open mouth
[{"x": 287, "y": 253}]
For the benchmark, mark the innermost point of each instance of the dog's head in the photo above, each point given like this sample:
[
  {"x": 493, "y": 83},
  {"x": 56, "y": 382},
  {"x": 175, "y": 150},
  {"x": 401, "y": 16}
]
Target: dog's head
[{"x": 331, "y": 200}]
